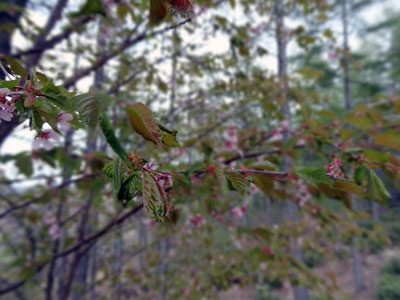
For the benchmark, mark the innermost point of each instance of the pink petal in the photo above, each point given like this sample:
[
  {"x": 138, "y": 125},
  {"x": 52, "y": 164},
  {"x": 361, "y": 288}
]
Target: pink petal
[
  {"x": 53, "y": 135},
  {"x": 64, "y": 125},
  {"x": 36, "y": 144},
  {"x": 48, "y": 145}
]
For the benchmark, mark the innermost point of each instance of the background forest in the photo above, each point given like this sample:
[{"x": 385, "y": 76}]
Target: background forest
[{"x": 199, "y": 149}]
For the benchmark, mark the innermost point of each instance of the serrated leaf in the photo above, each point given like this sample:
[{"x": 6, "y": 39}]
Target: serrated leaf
[
  {"x": 112, "y": 139},
  {"x": 359, "y": 174},
  {"x": 143, "y": 122},
  {"x": 90, "y": 107},
  {"x": 238, "y": 181},
  {"x": 376, "y": 190},
  {"x": 349, "y": 187},
  {"x": 152, "y": 198},
  {"x": 37, "y": 119},
  {"x": 170, "y": 140},
  {"x": 128, "y": 189},
  {"x": 108, "y": 169},
  {"x": 47, "y": 111},
  {"x": 158, "y": 11},
  {"x": 117, "y": 176},
  {"x": 314, "y": 176},
  {"x": 263, "y": 182}
]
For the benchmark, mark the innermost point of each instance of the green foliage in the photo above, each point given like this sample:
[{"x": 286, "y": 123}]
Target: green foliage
[
  {"x": 376, "y": 190},
  {"x": 388, "y": 287},
  {"x": 238, "y": 181},
  {"x": 389, "y": 283},
  {"x": 90, "y": 107},
  {"x": 112, "y": 140},
  {"x": 315, "y": 176}
]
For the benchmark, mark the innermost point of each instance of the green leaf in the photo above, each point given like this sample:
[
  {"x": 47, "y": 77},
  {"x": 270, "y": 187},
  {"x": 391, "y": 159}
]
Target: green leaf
[
  {"x": 359, "y": 122},
  {"x": 389, "y": 139},
  {"x": 152, "y": 199},
  {"x": 9, "y": 84},
  {"x": 59, "y": 100},
  {"x": 314, "y": 176},
  {"x": 112, "y": 139},
  {"x": 118, "y": 176},
  {"x": 198, "y": 165},
  {"x": 91, "y": 7},
  {"x": 47, "y": 111},
  {"x": 359, "y": 174},
  {"x": 37, "y": 119},
  {"x": 128, "y": 189},
  {"x": 90, "y": 107},
  {"x": 263, "y": 182},
  {"x": 238, "y": 181},
  {"x": 15, "y": 66},
  {"x": 24, "y": 165},
  {"x": 170, "y": 140},
  {"x": 376, "y": 190},
  {"x": 143, "y": 122},
  {"x": 108, "y": 169}
]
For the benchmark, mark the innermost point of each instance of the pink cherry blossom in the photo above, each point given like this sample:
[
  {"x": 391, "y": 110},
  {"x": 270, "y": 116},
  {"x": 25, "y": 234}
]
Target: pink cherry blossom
[
  {"x": 238, "y": 211},
  {"x": 63, "y": 119},
  {"x": 49, "y": 219},
  {"x": 149, "y": 222},
  {"x": 44, "y": 140},
  {"x": 196, "y": 220},
  {"x": 6, "y": 107},
  {"x": 55, "y": 230}
]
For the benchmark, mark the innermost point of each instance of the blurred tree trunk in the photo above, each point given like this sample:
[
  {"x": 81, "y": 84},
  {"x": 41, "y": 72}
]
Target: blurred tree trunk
[
  {"x": 164, "y": 247},
  {"x": 357, "y": 262},
  {"x": 299, "y": 293}
]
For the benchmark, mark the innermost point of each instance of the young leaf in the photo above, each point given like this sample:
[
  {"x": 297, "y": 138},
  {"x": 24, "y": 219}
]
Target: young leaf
[
  {"x": 47, "y": 111},
  {"x": 91, "y": 7},
  {"x": 90, "y": 107},
  {"x": 238, "y": 181},
  {"x": 158, "y": 11},
  {"x": 15, "y": 66},
  {"x": 24, "y": 165},
  {"x": 360, "y": 173},
  {"x": 152, "y": 198},
  {"x": 128, "y": 189},
  {"x": 314, "y": 176},
  {"x": 376, "y": 190},
  {"x": 118, "y": 175},
  {"x": 112, "y": 139},
  {"x": 143, "y": 122}
]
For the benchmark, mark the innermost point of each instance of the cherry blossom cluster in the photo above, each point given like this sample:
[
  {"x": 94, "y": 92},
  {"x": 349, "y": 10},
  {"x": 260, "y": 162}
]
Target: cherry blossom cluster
[
  {"x": 47, "y": 138},
  {"x": 231, "y": 140},
  {"x": 54, "y": 228},
  {"x": 6, "y": 107},
  {"x": 196, "y": 220},
  {"x": 278, "y": 133},
  {"x": 333, "y": 169},
  {"x": 302, "y": 195}
]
